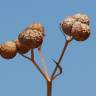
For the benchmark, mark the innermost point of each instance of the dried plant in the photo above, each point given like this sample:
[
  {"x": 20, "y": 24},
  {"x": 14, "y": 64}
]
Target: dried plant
[
  {"x": 74, "y": 27},
  {"x": 8, "y": 50}
]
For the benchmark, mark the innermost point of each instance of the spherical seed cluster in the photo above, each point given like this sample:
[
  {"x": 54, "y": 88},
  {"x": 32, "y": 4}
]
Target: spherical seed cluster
[
  {"x": 38, "y": 27},
  {"x": 82, "y": 18},
  {"x": 8, "y": 50},
  {"x": 80, "y": 31},
  {"x": 30, "y": 38},
  {"x": 21, "y": 47},
  {"x": 37, "y": 39},
  {"x": 76, "y": 26},
  {"x": 67, "y": 24}
]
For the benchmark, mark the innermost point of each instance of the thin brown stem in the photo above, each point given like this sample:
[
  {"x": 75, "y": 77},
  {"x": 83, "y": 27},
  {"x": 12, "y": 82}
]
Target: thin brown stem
[
  {"x": 49, "y": 88},
  {"x": 32, "y": 54},
  {"x": 41, "y": 71},
  {"x": 60, "y": 58},
  {"x": 42, "y": 58},
  {"x": 60, "y": 70},
  {"x": 37, "y": 66}
]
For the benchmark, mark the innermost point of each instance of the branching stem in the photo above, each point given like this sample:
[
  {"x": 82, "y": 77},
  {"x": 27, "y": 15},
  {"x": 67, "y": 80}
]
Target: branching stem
[
  {"x": 60, "y": 58},
  {"x": 37, "y": 66},
  {"x": 43, "y": 62}
]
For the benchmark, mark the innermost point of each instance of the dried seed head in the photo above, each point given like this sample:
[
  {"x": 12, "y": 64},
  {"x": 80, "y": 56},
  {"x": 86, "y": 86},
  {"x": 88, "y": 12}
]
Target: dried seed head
[
  {"x": 37, "y": 26},
  {"x": 8, "y": 50},
  {"x": 21, "y": 47},
  {"x": 82, "y": 18},
  {"x": 67, "y": 24},
  {"x": 32, "y": 38},
  {"x": 80, "y": 31}
]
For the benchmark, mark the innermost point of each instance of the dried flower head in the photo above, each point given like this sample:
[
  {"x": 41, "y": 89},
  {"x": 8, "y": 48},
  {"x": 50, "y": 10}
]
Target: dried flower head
[
  {"x": 80, "y": 31},
  {"x": 82, "y": 18},
  {"x": 67, "y": 24},
  {"x": 21, "y": 47},
  {"x": 37, "y": 26},
  {"x": 32, "y": 38},
  {"x": 8, "y": 50}
]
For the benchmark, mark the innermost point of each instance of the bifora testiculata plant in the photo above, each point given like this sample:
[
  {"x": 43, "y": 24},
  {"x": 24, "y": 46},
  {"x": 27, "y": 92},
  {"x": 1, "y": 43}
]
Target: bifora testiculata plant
[{"x": 74, "y": 27}]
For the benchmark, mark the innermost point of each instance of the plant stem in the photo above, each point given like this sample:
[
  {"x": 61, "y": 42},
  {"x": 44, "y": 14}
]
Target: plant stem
[
  {"x": 43, "y": 62},
  {"x": 49, "y": 88},
  {"x": 37, "y": 66},
  {"x": 40, "y": 70},
  {"x": 60, "y": 58}
]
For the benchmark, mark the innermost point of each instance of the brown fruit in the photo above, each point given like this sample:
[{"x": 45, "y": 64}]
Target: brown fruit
[
  {"x": 21, "y": 47},
  {"x": 80, "y": 31},
  {"x": 8, "y": 50},
  {"x": 82, "y": 18},
  {"x": 67, "y": 24},
  {"x": 37, "y": 26},
  {"x": 32, "y": 38}
]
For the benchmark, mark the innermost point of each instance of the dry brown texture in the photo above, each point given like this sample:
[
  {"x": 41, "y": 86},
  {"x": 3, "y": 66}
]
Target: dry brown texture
[
  {"x": 67, "y": 24},
  {"x": 8, "y": 50},
  {"x": 32, "y": 38},
  {"x": 21, "y": 47},
  {"x": 76, "y": 26},
  {"x": 82, "y": 18},
  {"x": 37, "y": 26},
  {"x": 80, "y": 32}
]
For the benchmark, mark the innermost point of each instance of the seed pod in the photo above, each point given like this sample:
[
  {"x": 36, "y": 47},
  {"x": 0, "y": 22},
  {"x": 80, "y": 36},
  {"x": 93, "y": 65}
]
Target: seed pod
[
  {"x": 8, "y": 50},
  {"x": 67, "y": 24},
  {"x": 82, "y": 18},
  {"x": 32, "y": 38},
  {"x": 38, "y": 27},
  {"x": 21, "y": 47},
  {"x": 80, "y": 31}
]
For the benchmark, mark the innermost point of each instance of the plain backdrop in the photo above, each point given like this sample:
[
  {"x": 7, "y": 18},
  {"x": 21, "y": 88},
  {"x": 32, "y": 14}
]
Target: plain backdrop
[{"x": 18, "y": 77}]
